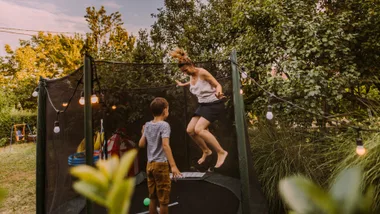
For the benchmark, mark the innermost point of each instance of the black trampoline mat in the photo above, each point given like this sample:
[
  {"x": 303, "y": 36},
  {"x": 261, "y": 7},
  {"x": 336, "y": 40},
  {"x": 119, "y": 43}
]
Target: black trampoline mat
[{"x": 193, "y": 196}]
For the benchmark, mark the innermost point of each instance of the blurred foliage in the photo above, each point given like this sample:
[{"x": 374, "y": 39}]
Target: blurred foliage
[
  {"x": 344, "y": 197},
  {"x": 106, "y": 185}
]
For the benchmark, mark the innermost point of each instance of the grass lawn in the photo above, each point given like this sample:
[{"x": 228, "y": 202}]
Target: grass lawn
[{"x": 18, "y": 178}]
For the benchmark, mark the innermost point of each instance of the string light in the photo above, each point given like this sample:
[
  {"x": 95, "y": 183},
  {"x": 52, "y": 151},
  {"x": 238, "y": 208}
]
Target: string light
[
  {"x": 94, "y": 99},
  {"x": 113, "y": 107},
  {"x": 244, "y": 75},
  {"x": 56, "y": 124},
  {"x": 269, "y": 114},
  {"x": 360, "y": 150},
  {"x": 35, "y": 92},
  {"x": 81, "y": 100},
  {"x": 64, "y": 104},
  {"x": 56, "y": 127},
  {"x": 241, "y": 91},
  {"x": 326, "y": 116}
]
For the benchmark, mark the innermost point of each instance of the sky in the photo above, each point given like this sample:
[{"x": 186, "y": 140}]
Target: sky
[{"x": 68, "y": 16}]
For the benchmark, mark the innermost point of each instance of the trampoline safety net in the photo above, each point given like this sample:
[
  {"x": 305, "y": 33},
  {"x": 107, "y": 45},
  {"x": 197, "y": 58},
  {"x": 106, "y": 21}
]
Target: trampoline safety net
[{"x": 128, "y": 90}]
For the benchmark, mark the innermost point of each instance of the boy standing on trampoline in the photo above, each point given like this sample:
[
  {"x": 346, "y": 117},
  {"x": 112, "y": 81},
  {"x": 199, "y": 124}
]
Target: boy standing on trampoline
[
  {"x": 155, "y": 134},
  {"x": 210, "y": 95}
]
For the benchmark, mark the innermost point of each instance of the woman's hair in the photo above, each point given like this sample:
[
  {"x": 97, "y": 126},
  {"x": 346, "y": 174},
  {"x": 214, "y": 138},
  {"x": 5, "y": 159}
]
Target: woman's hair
[{"x": 181, "y": 56}]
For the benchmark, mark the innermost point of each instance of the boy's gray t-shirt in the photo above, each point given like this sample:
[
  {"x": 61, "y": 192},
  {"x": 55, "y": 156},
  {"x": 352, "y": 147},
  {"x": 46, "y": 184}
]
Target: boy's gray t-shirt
[{"x": 154, "y": 132}]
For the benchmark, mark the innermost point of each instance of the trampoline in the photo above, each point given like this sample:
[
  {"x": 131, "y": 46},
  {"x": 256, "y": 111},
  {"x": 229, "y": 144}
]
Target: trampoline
[{"x": 125, "y": 91}]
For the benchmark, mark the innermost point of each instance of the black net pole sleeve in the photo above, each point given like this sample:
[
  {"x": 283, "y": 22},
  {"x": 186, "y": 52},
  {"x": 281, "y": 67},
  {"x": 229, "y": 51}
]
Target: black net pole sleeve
[
  {"x": 41, "y": 149},
  {"x": 88, "y": 132},
  {"x": 186, "y": 136},
  {"x": 241, "y": 137}
]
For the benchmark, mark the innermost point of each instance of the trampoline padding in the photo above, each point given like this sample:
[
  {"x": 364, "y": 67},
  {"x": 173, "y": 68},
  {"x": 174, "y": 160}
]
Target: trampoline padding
[{"x": 214, "y": 194}]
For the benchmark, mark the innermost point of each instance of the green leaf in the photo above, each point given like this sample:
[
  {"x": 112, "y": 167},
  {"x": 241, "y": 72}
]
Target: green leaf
[
  {"x": 346, "y": 189},
  {"x": 91, "y": 192},
  {"x": 120, "y": 195},
  {"x": 125, "y": 163},
  {"x": 91, "y": 175},
  {"x": 303, "y": 196}
]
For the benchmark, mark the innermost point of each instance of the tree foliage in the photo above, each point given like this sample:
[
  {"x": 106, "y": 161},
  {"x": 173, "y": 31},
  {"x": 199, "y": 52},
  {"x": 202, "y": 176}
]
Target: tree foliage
[
  {"x": 52, "y": 56},
  {"x": 46, "y": 55},
  {"x": 108, "y": 39},
  {"x": 147, "y": 50},
  {"x": 203, "y": 29},
  {"x": 319, "y": 50}
]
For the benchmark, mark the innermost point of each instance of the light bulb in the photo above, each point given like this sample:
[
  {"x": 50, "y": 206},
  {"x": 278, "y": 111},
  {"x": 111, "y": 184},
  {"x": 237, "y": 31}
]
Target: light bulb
[
  {"x": 269, "y": 114},
  {"x": 81, "y": 101},
  {"x": 94, "y": 99},
  {"x": 113, "y": 107},
  {"x": 35, "y": 93},
  {"x": 56, "y": 127},
  {"x": 360, "y": 150},
  {"x": 241, "y": 91},
  {"x": 64, "y": 104},
  {"x": 244, "y": 75}
]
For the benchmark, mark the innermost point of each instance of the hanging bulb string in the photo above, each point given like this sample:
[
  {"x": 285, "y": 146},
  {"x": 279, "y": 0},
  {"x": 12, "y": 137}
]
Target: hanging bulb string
[
  {"x": 75, "y": 90},
  {"x": 275, "y": 96},
  {"x": 50, "y": 101},
  {"x": 57, "y": 117},
  {"x": 70, "y": 99},
  {"x": 241, "y": 71}
]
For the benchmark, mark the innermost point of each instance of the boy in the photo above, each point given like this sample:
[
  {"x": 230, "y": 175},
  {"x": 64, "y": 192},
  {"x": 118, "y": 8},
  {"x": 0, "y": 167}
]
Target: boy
[{"x": 156, "y": 135}]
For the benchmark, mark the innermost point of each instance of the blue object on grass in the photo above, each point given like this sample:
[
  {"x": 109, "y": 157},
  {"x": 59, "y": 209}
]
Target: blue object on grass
[{"x": 80, "y": 158}]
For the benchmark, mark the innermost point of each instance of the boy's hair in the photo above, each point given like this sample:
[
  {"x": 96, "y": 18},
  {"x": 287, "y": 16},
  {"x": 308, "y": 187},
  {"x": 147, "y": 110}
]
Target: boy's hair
[{"x": 158, "y": 105}]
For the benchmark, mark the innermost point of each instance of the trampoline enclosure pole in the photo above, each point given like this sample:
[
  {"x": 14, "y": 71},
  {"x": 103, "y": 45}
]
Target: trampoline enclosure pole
[
  {"x": 41, "y": 149},
  {"x": 88, "y": 132},
  {"x": 241, "y": 136}
]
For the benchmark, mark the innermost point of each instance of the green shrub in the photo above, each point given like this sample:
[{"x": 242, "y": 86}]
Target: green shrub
[
  {"x": 10, "y": 116},
  {"x": 4, "y": 141},
  {"x": 281, "y": 152}
]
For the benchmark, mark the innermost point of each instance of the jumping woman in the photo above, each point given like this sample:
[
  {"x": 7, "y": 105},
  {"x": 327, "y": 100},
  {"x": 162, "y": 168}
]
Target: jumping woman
[{"x": 209, "y": 93}]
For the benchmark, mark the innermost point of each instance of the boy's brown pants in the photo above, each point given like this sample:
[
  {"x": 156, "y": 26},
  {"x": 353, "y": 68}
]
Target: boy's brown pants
[{"x": 159, "y": 183}]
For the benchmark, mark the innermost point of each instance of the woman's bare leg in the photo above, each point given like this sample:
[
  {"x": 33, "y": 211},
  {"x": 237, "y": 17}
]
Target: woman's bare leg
[
  {"x": 197, "y": 139},
  {"x": 201, "y": 130}
]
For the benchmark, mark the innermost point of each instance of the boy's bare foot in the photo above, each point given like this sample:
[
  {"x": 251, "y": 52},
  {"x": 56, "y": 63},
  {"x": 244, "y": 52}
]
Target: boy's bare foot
[
  {"x": 221, "y": 157},
  {"x": 204, "y": 156}
]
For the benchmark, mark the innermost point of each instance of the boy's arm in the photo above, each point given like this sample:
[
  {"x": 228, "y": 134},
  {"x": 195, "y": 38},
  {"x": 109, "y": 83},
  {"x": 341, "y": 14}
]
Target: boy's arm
[
  {"x": 169, "y": 156},
  {"x": 142, "y": 141}
]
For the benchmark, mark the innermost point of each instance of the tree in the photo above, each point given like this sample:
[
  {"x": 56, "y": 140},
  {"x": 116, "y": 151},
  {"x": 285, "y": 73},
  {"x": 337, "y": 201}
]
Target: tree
[
  {"x": 319, "y": 50},
  {"x": 146, "y": 51},
  {"x": 108, "y": 39},
  {"x": 46, "y": 55},
  {"x": 204, "y": 30}
]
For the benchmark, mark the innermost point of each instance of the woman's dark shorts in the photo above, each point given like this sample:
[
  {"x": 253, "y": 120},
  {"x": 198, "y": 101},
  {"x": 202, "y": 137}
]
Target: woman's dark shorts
[{"x": 210, "y": 111}]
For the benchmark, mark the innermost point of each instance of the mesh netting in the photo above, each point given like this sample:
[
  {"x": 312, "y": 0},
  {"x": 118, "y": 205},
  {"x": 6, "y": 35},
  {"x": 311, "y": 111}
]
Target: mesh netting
[{"x": 131, "y": 88}]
